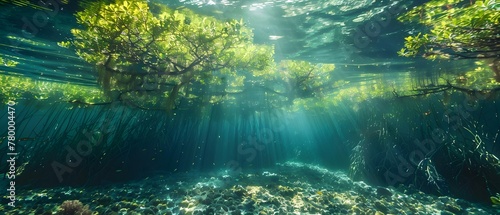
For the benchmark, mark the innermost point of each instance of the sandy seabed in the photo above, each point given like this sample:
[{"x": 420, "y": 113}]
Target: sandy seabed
[{"x": 288, "y": 188}]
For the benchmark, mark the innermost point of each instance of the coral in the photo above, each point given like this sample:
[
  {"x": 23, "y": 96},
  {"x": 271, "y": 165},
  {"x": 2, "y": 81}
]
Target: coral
[{"x": 73, "y": 207}]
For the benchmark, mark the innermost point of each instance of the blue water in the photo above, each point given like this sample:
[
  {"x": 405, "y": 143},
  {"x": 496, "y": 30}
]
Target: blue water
[{"x": 436, "y": 153}]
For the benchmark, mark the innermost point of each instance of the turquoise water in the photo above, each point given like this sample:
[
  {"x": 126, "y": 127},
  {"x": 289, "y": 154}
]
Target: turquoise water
[{"x": 384, "y": 134}]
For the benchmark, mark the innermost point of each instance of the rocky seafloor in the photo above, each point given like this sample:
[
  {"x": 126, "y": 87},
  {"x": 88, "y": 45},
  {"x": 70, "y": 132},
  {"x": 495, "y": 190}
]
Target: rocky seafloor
[{"x": 289, "y": 188}]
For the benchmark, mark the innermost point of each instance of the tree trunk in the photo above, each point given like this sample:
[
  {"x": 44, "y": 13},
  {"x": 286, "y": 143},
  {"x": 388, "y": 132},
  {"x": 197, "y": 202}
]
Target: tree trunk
[
  {"x": 175, "y": 91},
  {"x": 173, "y": 96}
]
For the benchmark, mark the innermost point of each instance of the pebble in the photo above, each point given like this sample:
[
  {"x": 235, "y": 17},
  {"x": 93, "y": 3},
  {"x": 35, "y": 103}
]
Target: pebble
[{"x": 295, "y": 192}]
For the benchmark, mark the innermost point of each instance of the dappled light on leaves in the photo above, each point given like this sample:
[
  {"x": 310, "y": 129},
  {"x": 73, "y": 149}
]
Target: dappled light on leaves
[
  {"x": 161, "y": 55},
  {"x": 459, "y": 29}
]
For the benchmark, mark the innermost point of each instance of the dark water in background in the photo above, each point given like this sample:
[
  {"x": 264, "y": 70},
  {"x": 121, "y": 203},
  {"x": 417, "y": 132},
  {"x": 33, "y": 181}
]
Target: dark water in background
[{"x": 247, "y": 137}]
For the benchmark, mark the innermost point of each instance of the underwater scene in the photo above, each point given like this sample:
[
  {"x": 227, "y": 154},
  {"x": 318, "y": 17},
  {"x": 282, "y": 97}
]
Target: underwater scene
[{"x": 131, "y": 107}]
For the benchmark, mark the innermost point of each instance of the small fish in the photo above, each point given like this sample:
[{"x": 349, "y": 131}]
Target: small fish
[{"x": 26, "y": 139}]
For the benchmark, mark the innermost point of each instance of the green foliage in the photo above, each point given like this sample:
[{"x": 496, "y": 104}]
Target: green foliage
[
  {"x": 458, "y": 29},
  {"x": 8, "y": 63},
  {"x": 137, "y": 51},
  {"x": 14, "y": 88},
  {"x": 480, "y": 78},
  {"x": 304, "y": 79},
  {"x": 177, "y": 58}
]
